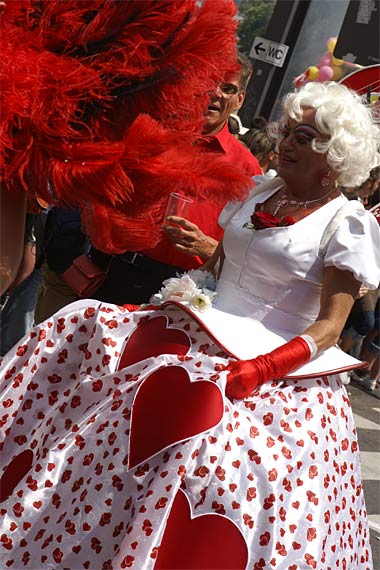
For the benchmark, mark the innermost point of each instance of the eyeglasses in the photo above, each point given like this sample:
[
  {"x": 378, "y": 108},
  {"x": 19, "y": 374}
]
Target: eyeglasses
[{"x": 228, "y": 88}]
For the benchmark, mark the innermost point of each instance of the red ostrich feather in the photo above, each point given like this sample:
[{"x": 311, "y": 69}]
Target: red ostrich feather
[{"x": 106, "y": 100}]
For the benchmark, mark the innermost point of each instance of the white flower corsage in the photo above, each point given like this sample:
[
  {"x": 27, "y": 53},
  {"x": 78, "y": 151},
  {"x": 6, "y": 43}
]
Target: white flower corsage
[{"x": 195, "y": 288}]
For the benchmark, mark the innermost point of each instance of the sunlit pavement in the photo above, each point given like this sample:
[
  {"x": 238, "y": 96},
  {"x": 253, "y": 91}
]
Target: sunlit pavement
[{"x": 366, "y": 408}]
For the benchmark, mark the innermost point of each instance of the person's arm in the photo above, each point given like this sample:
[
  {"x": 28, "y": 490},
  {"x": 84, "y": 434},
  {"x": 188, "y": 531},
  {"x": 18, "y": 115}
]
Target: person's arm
[
  {"x": 215, "y": 263},
  {"x": 188, "y": 238},
  {"x": 12, "y": 218},
  {"x": 26, "y": 267},
  {"x": 339, "y": 291}
]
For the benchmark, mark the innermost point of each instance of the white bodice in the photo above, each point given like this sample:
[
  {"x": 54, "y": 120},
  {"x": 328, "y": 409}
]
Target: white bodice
[
  {"x": 270, "y": 287},
  {"x": 274, "y": 275}
]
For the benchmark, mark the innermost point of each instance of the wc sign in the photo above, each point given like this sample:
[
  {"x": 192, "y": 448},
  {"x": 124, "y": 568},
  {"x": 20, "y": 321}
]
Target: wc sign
[{"x": 268, "y": 51}]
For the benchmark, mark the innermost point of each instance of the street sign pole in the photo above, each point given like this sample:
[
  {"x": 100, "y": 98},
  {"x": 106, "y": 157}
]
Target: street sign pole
[{"x": 283, "y": 30}]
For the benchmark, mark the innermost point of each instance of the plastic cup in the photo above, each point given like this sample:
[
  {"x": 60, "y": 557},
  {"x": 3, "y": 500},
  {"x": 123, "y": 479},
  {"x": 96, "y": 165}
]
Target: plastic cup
[{"x": 178, "y": 205}]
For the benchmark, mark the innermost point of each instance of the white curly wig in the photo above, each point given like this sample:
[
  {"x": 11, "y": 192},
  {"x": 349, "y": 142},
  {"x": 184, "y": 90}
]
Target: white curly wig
[{"x": 354, "y": 139}]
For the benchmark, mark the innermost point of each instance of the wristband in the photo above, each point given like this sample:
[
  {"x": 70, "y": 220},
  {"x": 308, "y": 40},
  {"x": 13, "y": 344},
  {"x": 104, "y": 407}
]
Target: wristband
[{"x": 312, "y": 344}]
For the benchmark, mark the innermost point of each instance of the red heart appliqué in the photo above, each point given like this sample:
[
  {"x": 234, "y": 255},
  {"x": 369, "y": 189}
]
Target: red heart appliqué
[
  {"x": 176, "y": 408},
  {"x": 207, "y": 541},
  {"x": 152, "y": 338},
  {"x": 14, "y": 472}
]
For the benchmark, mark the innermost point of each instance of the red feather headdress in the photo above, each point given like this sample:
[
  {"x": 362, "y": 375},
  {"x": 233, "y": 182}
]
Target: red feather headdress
[{"x": 105, "y": 99}]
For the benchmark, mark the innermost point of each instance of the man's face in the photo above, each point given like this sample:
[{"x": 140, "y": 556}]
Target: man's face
[
  {"x": 273, "y": 160},
  {"x": 228, "y": 98},
  {"x": 366, "y": 190}
]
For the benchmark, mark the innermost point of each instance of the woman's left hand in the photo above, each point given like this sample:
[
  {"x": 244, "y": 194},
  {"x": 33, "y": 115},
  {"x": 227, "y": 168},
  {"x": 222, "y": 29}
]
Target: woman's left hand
[
  {"x": 245, "y": 375},
  {"x": 242, "y": 379}
]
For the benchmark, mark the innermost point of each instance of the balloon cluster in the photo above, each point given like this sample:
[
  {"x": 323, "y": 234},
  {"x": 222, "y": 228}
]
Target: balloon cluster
[{"x": 329, "y": 68}]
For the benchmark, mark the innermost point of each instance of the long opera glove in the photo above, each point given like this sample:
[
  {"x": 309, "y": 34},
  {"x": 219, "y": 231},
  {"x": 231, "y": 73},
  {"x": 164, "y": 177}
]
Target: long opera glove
[{"x": 245, "y": 375}]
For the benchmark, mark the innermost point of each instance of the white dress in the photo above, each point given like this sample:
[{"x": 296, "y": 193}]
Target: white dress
[{"x": 121, "y": 450}]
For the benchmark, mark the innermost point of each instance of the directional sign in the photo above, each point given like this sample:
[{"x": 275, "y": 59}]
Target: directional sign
[{"x": 271, "y": 52}]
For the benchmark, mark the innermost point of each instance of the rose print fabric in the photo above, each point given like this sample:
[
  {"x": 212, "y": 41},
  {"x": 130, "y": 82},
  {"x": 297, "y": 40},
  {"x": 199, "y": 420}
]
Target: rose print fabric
[{"x": 120, "y": 450}]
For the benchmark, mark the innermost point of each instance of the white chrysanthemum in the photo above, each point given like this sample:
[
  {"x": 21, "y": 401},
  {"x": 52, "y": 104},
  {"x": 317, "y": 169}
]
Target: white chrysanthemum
[
  {"x": 183, "y": 289},
  {"x": 197, "y": 276},
  {"x": 195, "y": 287},
  {"x": 201, "y": 302},
  {"x": 210, "y": 294},
  {"x": 203, "y": 279}
]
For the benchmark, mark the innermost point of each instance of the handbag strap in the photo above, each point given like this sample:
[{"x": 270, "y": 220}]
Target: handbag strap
[{"x": 349, "y": 207}]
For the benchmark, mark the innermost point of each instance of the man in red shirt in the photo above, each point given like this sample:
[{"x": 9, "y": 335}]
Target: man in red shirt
[
  {"x": 135, "y": 277},
  {"x": 192, "y": 241}
]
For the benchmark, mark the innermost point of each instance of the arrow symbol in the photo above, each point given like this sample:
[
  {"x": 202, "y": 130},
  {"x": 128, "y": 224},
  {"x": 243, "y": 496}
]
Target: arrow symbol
[{"x": 258, "y": 48}]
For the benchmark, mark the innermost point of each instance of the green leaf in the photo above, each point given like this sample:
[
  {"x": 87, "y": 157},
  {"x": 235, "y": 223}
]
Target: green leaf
[{"x": 255, "y": 16}]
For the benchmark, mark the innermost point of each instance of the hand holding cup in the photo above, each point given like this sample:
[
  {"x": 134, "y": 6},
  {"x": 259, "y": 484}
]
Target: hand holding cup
[{"x": 178, "y": 205}]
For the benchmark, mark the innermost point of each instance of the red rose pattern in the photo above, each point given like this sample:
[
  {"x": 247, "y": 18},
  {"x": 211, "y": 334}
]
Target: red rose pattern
[{"x": 283, "y": 466}]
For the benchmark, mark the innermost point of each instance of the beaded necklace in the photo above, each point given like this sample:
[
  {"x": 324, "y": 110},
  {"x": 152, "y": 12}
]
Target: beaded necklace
[{"x": 284, "y": 201}]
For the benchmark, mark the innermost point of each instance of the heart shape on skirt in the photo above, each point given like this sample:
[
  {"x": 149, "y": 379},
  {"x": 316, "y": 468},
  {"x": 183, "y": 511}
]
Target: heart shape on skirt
[
  {"x": 152, "y": 338},
  {"x": 168, "y": 407},
  {"x": 206, "y": 541},
  {"x": 15, "y": 472}
]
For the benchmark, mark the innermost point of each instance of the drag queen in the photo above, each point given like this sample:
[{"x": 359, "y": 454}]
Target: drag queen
[{"x": 161, "y": 437}]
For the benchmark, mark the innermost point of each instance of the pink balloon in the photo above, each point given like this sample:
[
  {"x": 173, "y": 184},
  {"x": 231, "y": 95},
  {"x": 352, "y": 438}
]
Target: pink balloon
[
  {"x": 325, "y": 73},
  {"x": 325, "y": 59}
]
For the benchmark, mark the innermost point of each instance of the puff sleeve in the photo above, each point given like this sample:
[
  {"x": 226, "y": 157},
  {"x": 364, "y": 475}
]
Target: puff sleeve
[
  {"x": 355, "y": 246},
  {"x": 228, "y": 213},
  {"x": 231, "y": 208}
]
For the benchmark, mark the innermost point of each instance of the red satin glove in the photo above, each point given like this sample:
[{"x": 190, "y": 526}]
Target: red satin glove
[{"x": 245, "y": 375}]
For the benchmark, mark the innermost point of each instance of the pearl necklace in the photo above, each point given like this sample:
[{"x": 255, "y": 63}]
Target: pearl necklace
[{"x": 284, "y": 201}]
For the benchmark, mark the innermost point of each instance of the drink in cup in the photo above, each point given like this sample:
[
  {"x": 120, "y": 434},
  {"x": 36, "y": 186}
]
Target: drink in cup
[{"x": 178, "y": 205}]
